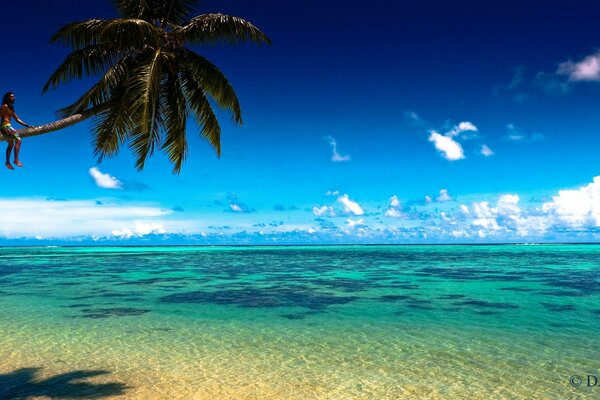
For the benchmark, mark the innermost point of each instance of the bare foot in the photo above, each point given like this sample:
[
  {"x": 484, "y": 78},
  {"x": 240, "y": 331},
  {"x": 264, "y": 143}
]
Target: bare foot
[
  {"x": 9, "y": 166},
  {"x": 18, "y": 164}
]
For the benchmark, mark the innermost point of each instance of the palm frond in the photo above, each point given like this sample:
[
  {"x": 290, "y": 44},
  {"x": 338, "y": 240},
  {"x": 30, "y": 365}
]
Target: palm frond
[
  {"x": 213, "y": 81},
  {"x": 143, "y": 142},
  {"x": 216, "y": 28},
  {"x": 143, "y": 95},
  {"x": 78, "y": 35},
  {"x": 86, "y": 62},
  {"x": 175, "y": 112},
  {"x": 130, "y": 33},
  {"x": 116, "y": 34},
  {"x": 202, "y": 110},
  {"x": 110, "y": 131},
  {"x": 110, "y": 87}
]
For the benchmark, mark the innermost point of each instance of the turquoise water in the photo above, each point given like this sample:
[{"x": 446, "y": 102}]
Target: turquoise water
[{"x": 359, "y": 322}]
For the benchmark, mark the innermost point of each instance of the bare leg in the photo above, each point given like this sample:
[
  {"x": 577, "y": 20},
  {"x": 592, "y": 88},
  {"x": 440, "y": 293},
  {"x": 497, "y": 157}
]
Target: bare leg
[
  {"x": 8, "y": 151},
  {"x": 17, "y": 149}
]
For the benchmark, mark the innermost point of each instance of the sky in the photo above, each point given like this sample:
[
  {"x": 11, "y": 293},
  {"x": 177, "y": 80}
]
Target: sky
[{"x": 364, "y": 122}]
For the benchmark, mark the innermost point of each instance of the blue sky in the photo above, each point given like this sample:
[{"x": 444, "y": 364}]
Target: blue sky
[{"x": 373, "y": 122}]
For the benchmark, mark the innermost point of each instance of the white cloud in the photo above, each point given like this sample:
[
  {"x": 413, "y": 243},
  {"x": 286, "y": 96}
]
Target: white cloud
[
  {"x": 353, "y": 223},
  {"x": 444, "y": 196},
  {"x": 450, "y": 149},
  {"x": 140, "y": 229},
  {"x": 464, "y": 126},
  {"x": 508, "y": 204},
  {"x": 486, "y": 151},
  {"x": 459, "y": 234},
  {"x": 428, "y": 199},
  {"x": 577, "y": 207},
  {"x": 350, "y": 206},
  {"x": 105, "y": 180},
  {"x": 507, "y": 218},
  {"x": 335, "y": 156},
  {"x": 514, "y": 134},
  {"x": 332, "y": 193},
  {"x": 393, "y": 210},
  {"x": 570, "y": 73},
  {"x": 23, "y": 217},
  {"x": 485, "y": 216},
  {"x": 393, "y": 213},
  {"x": 587, "y": 69},
  {"x": 464, "y": 209},
  {"x": 323, "y": 210},
  {"x": 235, "y": 208}
]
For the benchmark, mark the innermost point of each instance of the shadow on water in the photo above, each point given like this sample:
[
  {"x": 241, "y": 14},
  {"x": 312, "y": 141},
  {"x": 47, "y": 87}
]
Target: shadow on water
[{"x": 22, "y": 384}]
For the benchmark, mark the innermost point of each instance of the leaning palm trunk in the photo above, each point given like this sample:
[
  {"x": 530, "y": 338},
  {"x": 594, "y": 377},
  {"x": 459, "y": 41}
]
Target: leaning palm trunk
[{"x": 61, "y": 123}]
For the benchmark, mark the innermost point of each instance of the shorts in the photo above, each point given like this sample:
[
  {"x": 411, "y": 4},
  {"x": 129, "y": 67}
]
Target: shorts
[{"x": 9, "y": 133}]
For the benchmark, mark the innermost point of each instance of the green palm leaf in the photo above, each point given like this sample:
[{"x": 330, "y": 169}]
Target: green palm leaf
[
  {"x": 143, "y": 90},
  {"x": 110, "y": 131},
  {"x": 78, "y": 35},
  {"x": 216, "y": 28},
  {"x": 203, "y": 112},
  {"x": 116, "y": 34},
  {"x": 109, "y": 88},
  {"x": 175, "y": 111},
  {"x": 86, "y": 62},
  {"x": 213, "y": 81}
]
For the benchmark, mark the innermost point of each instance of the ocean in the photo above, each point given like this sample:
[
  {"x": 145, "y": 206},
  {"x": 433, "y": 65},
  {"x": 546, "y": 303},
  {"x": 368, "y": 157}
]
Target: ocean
[{"x": 315, "y": 322}]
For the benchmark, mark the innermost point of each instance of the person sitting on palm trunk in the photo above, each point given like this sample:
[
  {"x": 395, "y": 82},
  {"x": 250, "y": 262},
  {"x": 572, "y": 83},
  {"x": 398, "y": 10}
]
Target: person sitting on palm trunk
[{"x": 7, "y": 112}]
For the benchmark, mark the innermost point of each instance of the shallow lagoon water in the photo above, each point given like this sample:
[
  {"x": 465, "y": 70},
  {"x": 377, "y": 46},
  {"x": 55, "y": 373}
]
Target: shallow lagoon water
[{"x": 347, "y": 322}]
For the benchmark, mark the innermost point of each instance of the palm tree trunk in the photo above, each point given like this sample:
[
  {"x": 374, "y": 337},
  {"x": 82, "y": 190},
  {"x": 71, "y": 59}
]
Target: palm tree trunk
[{"x": 61, "y": 123}]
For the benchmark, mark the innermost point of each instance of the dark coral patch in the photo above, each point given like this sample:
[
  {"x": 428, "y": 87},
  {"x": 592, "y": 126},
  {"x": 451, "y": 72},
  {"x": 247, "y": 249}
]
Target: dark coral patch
[
  {"x": 346, "y": 284},
  {"x": 406, "y": 286},
  {"x": 294, "y": 316},
  {"x": 270, "y": 297},
  {"x": 561, "y": 293},
  {"x": 584, "y": 282},
  {"x": 113, "y": 312},
  {"x": 118, "y": 295},
  {"x": 488, "y": 304},
  {"x": 558, "y": 307},
  {"x": 79, "y": 305},
  {"x": 452, "y": 296},
  {"x": 418, "y": 301},
  {"x": 394, "y": 297},
  {"x": 417, "y": 306},
  {"x": 151, "y": 281}
]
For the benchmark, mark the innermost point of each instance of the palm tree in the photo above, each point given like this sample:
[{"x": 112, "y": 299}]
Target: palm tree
[{"x": 149, "y": 80}]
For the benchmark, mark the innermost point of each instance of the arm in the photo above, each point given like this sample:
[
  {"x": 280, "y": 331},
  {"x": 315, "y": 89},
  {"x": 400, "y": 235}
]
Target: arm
[{"x": 21, "y": 122}]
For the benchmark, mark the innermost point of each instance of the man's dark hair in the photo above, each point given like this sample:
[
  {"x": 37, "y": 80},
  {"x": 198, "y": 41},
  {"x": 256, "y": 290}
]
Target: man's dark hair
[{"x": 5, "y": 100}]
